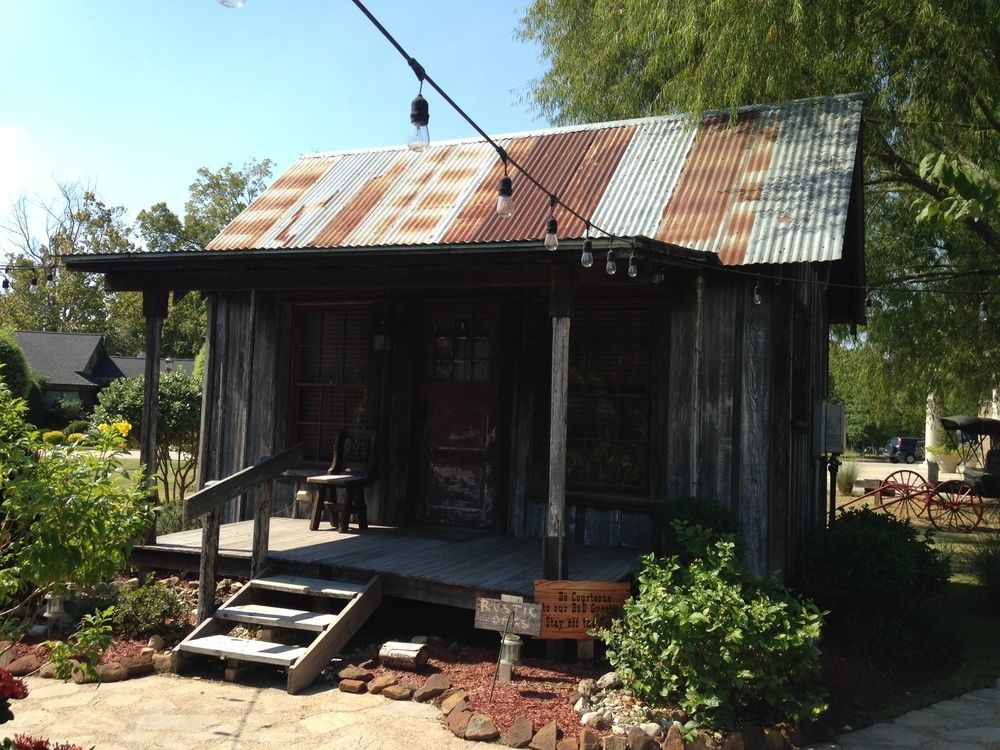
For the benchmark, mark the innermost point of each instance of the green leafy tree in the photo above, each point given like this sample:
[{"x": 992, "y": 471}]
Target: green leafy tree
[
  {"x": 178, "y": 430},
  {"x": 14, "y": 368},
  {"x": 217, "y": 198},
  {"x": 932, "y": 131},
  {"x": 66, "y": 514}
]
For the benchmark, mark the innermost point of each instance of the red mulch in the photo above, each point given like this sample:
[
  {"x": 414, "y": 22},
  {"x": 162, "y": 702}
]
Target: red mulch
[
  {"x": 541, "y": 690},
  {"x": 120, "y": 648}
]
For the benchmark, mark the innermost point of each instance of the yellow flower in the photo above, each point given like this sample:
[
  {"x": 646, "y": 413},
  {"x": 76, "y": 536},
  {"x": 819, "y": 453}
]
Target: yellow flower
[{"x": 123, "y": 427}]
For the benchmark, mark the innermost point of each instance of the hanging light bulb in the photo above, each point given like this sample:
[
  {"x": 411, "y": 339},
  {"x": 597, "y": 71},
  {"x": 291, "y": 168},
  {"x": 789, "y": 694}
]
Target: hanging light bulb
[
  {"x": 552, "y": 228},
  {"x": 420, "y": 137},
  {"x": 505, "y": 199},
  {"x": 984, "y": 314},
  {"x": 611, "y": 267},
  {"x": 756, "y": 294},
  {"x": 6, "y": 283},
  {"x": 587, "y": 256},
  {"x": 50, "y": 275},
  {"x": 632, "y": 270}
]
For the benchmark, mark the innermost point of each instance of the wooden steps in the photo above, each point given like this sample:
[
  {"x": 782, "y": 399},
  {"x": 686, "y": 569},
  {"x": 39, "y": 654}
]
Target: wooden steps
[{"x": 308, "y": 621}]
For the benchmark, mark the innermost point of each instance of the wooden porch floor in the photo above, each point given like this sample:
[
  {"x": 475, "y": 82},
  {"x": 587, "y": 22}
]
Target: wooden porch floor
[{"x": 438, "y": 565}]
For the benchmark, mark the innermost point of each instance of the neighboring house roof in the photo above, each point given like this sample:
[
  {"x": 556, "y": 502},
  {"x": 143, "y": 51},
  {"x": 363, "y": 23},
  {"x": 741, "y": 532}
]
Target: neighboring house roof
[
  {"x": 63, "y": 359},
  {"x": 773, "y": 188},
  {"x": 135, "y": 367},
  {"x": 75, "y": 359}
]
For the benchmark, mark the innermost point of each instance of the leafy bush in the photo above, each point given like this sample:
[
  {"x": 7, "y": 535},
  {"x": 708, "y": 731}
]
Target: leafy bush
[
  {"x": 84, "y": 648},
  {"x": 15, "y": 370},
  {"x": 53, "y": 437},
  {"x": 872, "y": 573},
  {"x": 69, "y": 514},
  {"x": 151, "y": 609},
  {"x": 985, "y": 563},
  {"x": 715, "y": 521},
  {"x": 724, "y": 646},
  {"x": 77, "y": 425},
  {"x": 75, "y": 437},
  {"x": 846, "y": 475}
]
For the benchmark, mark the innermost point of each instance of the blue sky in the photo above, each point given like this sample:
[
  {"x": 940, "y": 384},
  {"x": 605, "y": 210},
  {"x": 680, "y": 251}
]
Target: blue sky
[{"x": 131, "y": 97}]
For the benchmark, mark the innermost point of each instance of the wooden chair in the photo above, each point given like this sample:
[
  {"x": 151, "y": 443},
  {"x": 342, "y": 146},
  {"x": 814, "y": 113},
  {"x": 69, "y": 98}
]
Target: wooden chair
[{"x": 352, "y": 469}]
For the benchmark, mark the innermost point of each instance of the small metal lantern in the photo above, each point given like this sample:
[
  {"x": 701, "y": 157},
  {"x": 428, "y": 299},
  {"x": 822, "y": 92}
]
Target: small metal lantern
[
  {"x": 510, "y": 649},
  {"x": 54, "y": 606}
]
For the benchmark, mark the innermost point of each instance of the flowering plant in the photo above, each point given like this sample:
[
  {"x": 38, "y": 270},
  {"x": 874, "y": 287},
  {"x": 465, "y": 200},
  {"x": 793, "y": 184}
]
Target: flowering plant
[{"x": 11, "y": 688}]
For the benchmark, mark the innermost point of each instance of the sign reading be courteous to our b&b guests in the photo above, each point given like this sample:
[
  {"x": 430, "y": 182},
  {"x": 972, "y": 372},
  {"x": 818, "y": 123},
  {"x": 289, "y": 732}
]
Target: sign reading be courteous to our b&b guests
[{"x": 571, "y": 608}]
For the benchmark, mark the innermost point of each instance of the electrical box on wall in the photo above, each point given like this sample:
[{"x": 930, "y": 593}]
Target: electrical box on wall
[{"x": 830, "y": 428}]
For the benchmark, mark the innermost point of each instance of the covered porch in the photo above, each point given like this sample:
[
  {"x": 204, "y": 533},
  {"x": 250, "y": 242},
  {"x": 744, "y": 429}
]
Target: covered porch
[{"x": 422, "y": 563}]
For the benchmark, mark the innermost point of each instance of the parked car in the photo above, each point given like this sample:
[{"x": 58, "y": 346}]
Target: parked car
[{"x": 907, "y": 449}]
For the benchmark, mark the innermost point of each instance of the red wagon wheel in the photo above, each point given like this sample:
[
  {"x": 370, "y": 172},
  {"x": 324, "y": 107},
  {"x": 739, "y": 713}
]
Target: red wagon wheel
[
  {"x": 955, "y": 506},
  {"x": 903, "y": 493}
]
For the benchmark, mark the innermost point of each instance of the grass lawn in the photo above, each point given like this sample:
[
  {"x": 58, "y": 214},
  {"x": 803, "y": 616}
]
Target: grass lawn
[{"x": 170, "y": 517}]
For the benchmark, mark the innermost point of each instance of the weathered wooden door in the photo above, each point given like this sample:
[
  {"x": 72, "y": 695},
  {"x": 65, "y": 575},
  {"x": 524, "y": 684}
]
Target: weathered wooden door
[{"x": 457, "y": 411}]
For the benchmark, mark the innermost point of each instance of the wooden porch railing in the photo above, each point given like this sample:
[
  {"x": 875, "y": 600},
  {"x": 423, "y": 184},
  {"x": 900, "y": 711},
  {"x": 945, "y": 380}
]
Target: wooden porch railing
[{"x": 207, "y": 501}]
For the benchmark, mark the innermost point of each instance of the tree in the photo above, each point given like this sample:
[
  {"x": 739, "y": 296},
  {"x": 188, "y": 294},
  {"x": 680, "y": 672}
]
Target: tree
[
  {"x": 932, "y": 129},
  {"x": 178, "y": 427},
  {"x": 218, "y": 197},
  {"x": 14, "y": 370}
]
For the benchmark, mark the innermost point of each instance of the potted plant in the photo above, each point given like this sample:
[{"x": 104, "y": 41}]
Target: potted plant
[{"x": 945, "y": 457}]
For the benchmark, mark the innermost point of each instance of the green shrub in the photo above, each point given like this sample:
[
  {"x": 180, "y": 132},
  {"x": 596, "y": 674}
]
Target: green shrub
[
  {"x": 872, "y": 573},
  {"x": 14, "y": 371},
  {"x": 846, "y": 475},
  {"x": 716, "y": 521},
  {"x": 985, "y": 563},
  {"x": 53, "y": 437},
  {"x": 75, "y": 437},
  {"x": 84, "y": 648},
  {"x": 151, "y": 609},
  {"x": 77, "y": 425},
  {"x": 725, "y": 647}
]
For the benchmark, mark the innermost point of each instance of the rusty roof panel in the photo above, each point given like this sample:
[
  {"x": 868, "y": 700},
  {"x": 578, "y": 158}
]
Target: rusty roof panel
[{"x": 772, "y": 188}]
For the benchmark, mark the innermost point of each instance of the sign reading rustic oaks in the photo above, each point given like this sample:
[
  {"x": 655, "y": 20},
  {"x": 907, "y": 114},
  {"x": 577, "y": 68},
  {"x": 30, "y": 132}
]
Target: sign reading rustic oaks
[
  {"x": 493, "y": 614},
  {"x": 571, "y": 608}
]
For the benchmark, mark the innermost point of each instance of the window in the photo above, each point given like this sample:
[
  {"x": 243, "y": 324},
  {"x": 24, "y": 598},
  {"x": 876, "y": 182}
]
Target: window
[
  {"x": 329, "y": 375},
  {"x": 608, "y": 421}
]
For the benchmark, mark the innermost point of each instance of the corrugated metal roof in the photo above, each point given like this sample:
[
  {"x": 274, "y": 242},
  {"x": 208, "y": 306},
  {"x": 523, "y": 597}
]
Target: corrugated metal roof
[{"x": 772, "y": 188}]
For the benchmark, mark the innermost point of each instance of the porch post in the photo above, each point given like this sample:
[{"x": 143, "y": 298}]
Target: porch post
[
  {"x": 555, "y": 554},
  {"x": 154, "y": 309}
]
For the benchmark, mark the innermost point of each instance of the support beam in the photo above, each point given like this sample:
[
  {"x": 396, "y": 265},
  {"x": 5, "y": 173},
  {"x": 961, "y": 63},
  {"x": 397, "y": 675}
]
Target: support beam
[
  {"x": 555, "y": 559},
  {"x": 154, "y": 309}
]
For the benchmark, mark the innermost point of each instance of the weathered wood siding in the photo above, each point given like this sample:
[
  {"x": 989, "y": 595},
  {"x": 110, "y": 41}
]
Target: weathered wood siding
[{"x": 238, "y": 403}]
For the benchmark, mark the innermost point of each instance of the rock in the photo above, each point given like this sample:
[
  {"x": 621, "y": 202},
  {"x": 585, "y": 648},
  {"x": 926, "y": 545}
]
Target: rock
[
  {"x": 78, "y": 675},
  {"x": 156, "y": 642},
  {"x": 351, "y": 672},
  {"x": 382, "y": 682},
  {"x": 23, "y": 665},
  {"x": 137, "y": 666},
  {"x": 792, "y": 734},
  {"x": 521, "y": 732},
  {"x": 546, "y": 738},
  {"x": 6, "y": 653},
  {"x": 734, "y": 742},
  {"x": 570, "y": 743},
  {"x": 774, "y": 740},
  {"x": 592, "y": 718},
  {"x": 589, "y": 740},
  {"x": 147, "y": 651},
  {"x": 130, "y": 584},
  {"x": 673, "y": 740},
  {"x": 651, "y": 728},
  {"x": 458, "y": 721},
  {"x": 47, "y": 670},
  {"x": 582, "y": 705},
  {"x": 452, "y": 698},
  {"x": 613, "y": 742},
  {"x": 753, "y": 737},
  {"x": 640, "y": 740},
  {"x": 113, "y": 672},
  {"x": 435, "y": 685},
  {"x": 165, "y": 662},
  {"x": 609, "y": 681},
  {"x": 587, "y": 687},
  {"x": 481, "y": 729},
  {"x": 398, "y": 692},
  {"x": 353, "y": 686},
  {"x": 702, "y": 742}
]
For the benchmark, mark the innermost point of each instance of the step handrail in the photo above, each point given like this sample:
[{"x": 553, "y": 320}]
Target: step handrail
[{"x": 214, "y": 495}]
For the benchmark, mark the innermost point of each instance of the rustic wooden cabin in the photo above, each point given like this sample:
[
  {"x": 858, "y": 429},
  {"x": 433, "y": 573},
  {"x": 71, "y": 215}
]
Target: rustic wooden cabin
[{"x": 513, "y": 390}]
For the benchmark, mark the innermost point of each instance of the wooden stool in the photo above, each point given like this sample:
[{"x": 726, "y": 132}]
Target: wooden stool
[{"x": 352, "y": 469}]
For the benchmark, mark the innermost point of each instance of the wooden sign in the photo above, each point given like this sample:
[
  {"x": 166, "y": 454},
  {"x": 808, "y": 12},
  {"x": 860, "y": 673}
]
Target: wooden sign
[
  {"x": 571, "y": 608},
  {"x": 493, "y": 614}
]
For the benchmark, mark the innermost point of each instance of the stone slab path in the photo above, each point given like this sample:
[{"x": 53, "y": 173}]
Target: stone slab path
[
  {"x": 969, "y": 722},
  {"x": 180, "y": 713}
]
